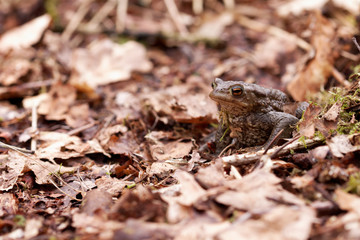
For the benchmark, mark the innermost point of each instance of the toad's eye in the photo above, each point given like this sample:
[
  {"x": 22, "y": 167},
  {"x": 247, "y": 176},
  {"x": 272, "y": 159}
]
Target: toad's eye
[
  {"x": 213, "y": 85},
  {"x": 237, "y": 90}
]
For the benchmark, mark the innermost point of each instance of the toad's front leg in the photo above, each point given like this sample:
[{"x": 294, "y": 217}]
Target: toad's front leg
[{"x": 281, "y": 121}]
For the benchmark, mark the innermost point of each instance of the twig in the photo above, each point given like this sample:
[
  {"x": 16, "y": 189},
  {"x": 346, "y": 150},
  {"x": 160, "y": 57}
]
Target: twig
[
  {"x": 247, "y": 158},
  {"x": 175, "y": 16},
  {"x": 34, "y": 119},
  {"x": 197, "y": 6},
  {"x": 356, "y": 43},
  {"x": 229, "y": 4},
  {"x": 275, "y": 31},
  {"x": 273, "y": 140},
  {"x": 121, "y": 11},
  {"x": 283, "y": 146},
  {"x": 82, "y": 128},
  {"x": 17, "y": 149},
  {"x": 101, "y": 14},
  {"x": 340, "y": 78},
  {"x": 76, "y": 20}
]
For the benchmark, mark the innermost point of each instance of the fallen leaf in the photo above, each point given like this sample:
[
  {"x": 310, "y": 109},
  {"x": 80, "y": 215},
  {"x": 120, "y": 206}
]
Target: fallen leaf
[
  {"x": 314, "y": 74},
  {"x": 8, "y": 204},
  {"x": 340, "y": 145},
  {"x": 114, "y": 186},
  {"x": 26, "y": 35},
  {"x": 104, "y": 62}
]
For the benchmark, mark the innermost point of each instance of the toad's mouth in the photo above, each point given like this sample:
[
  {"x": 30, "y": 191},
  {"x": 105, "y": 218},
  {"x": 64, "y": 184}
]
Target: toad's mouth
[{"x": 224, "y": 101}]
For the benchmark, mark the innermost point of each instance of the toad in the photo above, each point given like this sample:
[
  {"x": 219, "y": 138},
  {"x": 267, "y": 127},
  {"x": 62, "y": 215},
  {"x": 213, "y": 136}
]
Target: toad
[{"x": 251, "y": 115}]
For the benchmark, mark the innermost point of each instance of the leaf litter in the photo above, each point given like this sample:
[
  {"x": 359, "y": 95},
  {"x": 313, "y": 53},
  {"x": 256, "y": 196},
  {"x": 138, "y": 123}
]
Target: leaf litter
[{"x": 119, "y": 119}]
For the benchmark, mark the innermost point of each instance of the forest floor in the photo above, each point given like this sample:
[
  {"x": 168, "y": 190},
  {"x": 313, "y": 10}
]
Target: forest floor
[{"x": 104, "y": 106}]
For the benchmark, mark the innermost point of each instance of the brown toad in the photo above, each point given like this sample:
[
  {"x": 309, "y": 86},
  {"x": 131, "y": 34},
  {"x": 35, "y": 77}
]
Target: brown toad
[{"x": 251, "y": 115}]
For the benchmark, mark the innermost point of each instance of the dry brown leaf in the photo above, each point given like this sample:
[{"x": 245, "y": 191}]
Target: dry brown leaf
[
  {"x": 96, "y": 202},
  {"x": 104, "y": 62},
  {"x": 340, "y": 145},
  {"x": 282, "y": 222},
  {"x": 256, "y": 193},
  {"x": 114, "y": 186},
  {"x": 185, "y": 103},
  {"x": 10, "y": 169},
  {"x": 190, "y": 191},
  {"x": 61, "y": 145},
  {"x": 33, "y": 227},
  {"x": 212, "y": 176},
  {"x": 171, "y": 150},
  {"x": 213, "y": 28},
  {"x": 313, "y": 76},
  {"x": 269, "y": 53},
  {"x": 78, "y": 115},
  {"x": 347, "y": 201},
  {"x": 9, "y": 204},
  {"x": 161, "y": 169},
  {"x": 26, "y": 35},
  {"x": 14, "y": 69}
]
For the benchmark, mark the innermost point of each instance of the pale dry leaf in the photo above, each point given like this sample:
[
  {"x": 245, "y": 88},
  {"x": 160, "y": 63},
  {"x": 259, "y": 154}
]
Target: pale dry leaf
[
  {"x": 190, "y": 189},
  {"x": 202, "y": 228},
  {"x": 255, "y": 191},
  {"x": 104, "y": 62},
  {"x": 78, "y": 115},
  {"x": 347, "y": 201},
  {"x": 61, "y": 145},
  {"x": 33, "y": 226},
  {"x": 26, "y": 35},
  {"x": 114, "y": 186},
  {"x": 44, "y": 170},
  {"x": 282, "y": 222},
  {"x": 9, "y": 204},
  {"x": 56, "y": 107},
  {"x": 271, "y": 51},
  {"x": 13, "y": 69},
  {"x": 12, "y": 165},
  {"x": 185, "y": 103},
  {"x": 333, "y": 113},
  {"x": 340, "y": 145},
  {"x": 296, "y": 7},
  {"x": 212, "y": 29},
  {"x": 171, "y": 150},
  {"x": 313, "y": 75}
]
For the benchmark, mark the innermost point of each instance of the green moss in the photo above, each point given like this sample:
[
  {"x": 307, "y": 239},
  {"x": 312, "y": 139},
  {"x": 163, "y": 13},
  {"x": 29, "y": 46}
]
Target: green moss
[
  {"x": 302, "y": 140},
  {"x": 353, "y": 185}
]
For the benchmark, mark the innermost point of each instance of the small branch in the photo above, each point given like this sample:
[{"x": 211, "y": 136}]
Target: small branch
[
  {"x": 275, "y": 31},
  {"x": 273, "y": 140},
  {"x": 252, "y": 157},
  {"x": 104, "y": 11},
  {"x": 356, "y": 43},
  {"x": 197, "y": 6},
  {"x": 76, "y": 20},
  {"x": 175, "y": 16},
  {"x": 121, "y": 14},
  {"x": 17, "y": 149}
]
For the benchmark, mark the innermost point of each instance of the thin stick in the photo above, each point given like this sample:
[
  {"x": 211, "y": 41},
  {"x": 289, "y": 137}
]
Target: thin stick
[
  {"x": 197, "y": 6},
  {"x": 76, "y": 20},
  {"x": 229, "y": 4},
  {"x": 101, "y": 14},
  {"x": 34, "y": 119},
  {"x": 121, "y": 14},
  {"x": 175, "y": 16},
  {"x": 273, "y": 140},
  {"x": 284, "y": 145},
  {"x": 17, "y": 149},
  {"x": 275, "y": 31},
  {"x": 356, "y": 43}
]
